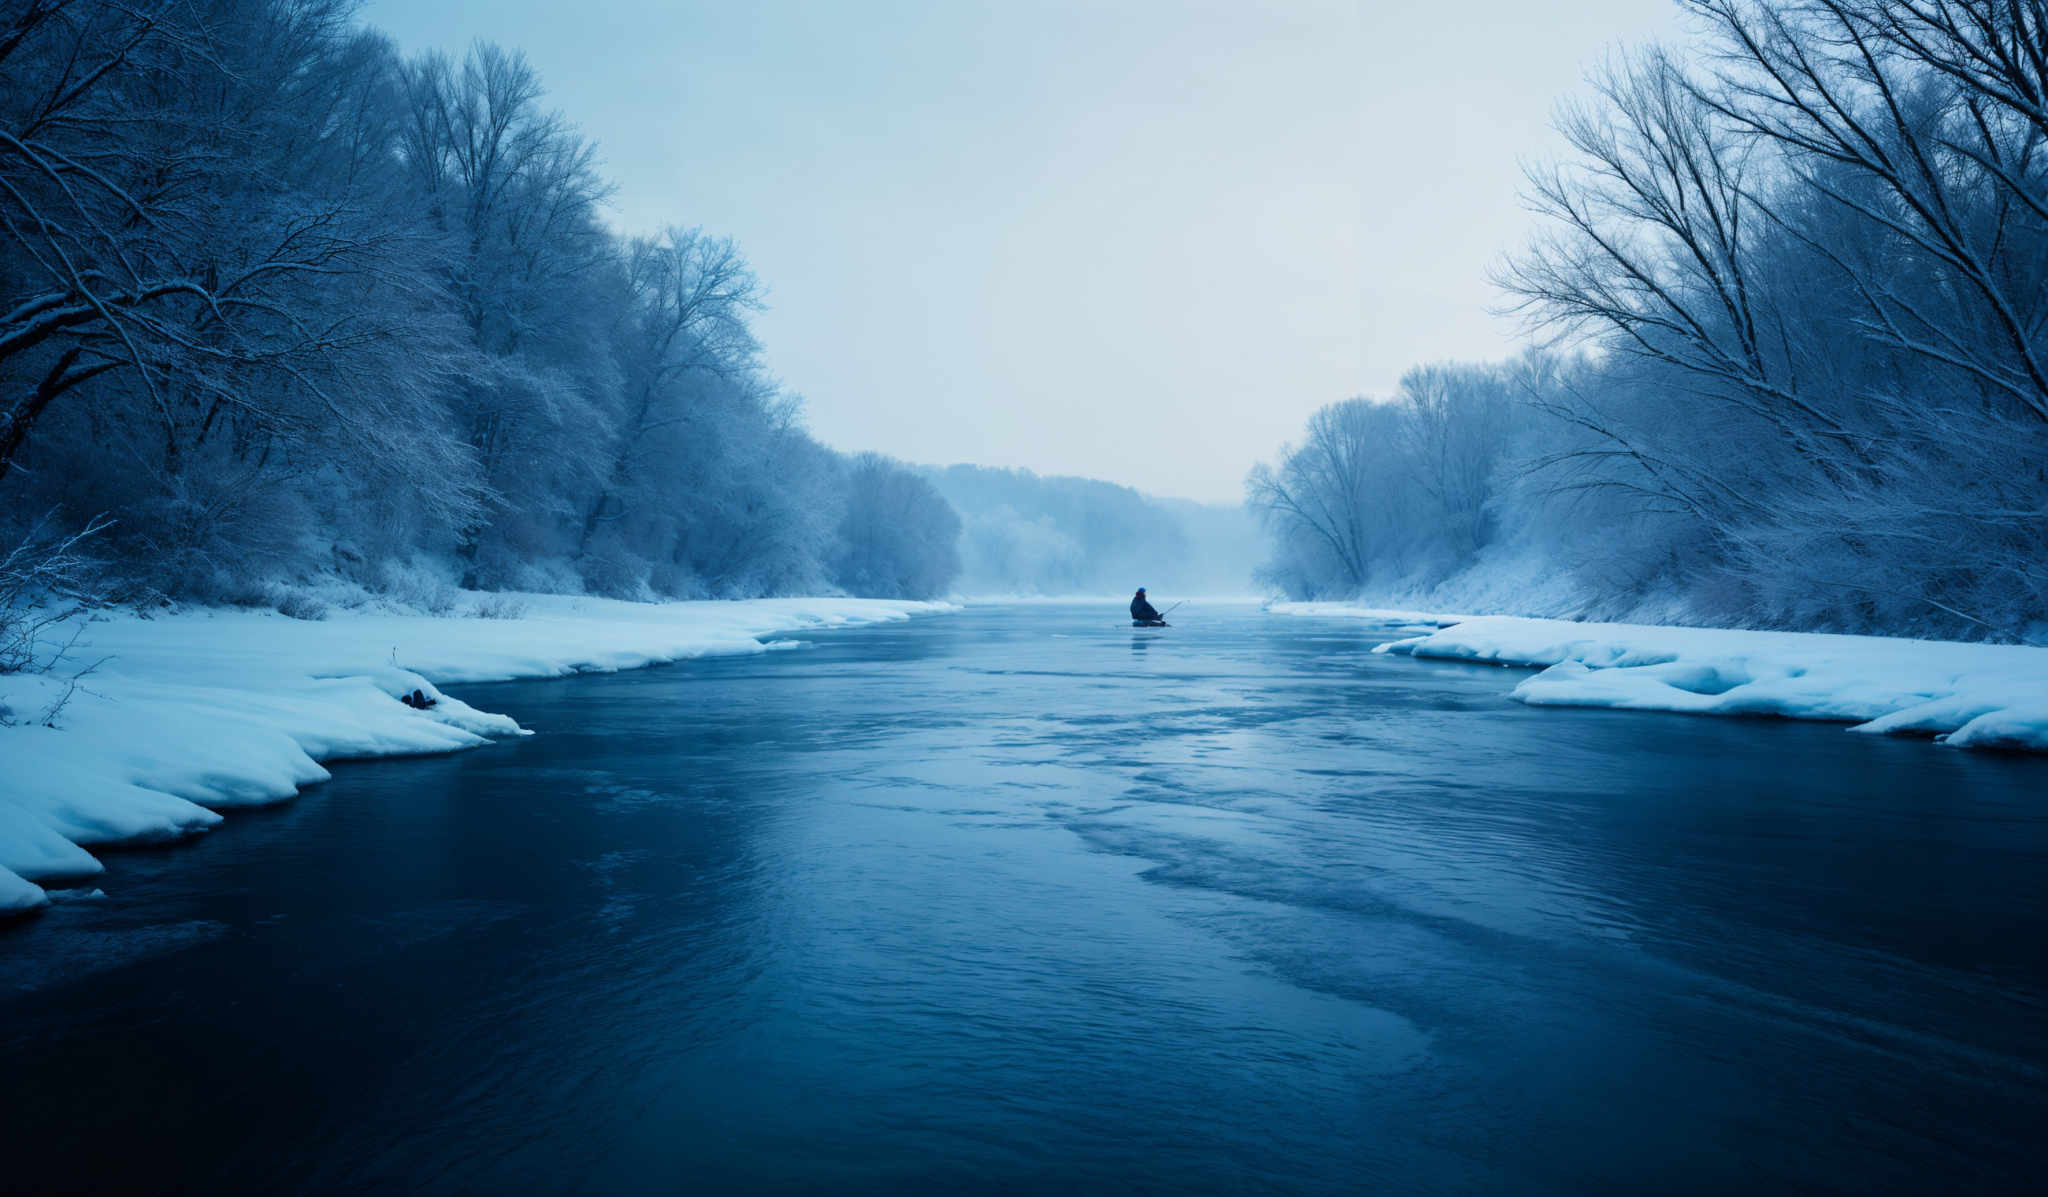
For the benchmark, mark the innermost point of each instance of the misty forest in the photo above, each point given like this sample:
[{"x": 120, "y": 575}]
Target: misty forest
[
  {"x": 283, "y": 303},
  {"x": 676, "y": 596}
]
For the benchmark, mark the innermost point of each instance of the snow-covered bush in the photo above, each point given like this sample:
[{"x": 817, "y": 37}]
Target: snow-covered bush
[
  {"x": 417, "y": 586},
  {"x": 498, "y": 606},
  {"x": 611, "y": 570},
  {"x": 297, "y": 604},
  {"x": 43, "y": 576}
]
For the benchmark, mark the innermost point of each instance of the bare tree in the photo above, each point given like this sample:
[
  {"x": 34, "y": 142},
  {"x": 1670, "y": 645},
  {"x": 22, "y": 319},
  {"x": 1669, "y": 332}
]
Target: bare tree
[
  {"x": 1326, "y": 490},
  {"x": 122, "y": 130},
  {"x": 42, "y": 577},
  {"x": 1925, "y": 120},
  {"x": 1457, "y": 421},
  {"x": 1819, "y": 272},
  {"x": 692, "y": 294}
]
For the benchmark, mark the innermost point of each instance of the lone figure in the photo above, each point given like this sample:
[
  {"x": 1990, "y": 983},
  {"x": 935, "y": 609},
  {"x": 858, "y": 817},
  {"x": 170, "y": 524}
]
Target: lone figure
[{"x": 1144, "y": 614}]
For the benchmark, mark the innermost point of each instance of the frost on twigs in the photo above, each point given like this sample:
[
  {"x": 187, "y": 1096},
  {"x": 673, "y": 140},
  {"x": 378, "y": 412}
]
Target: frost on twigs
[
  {"x": 43, "y": 589},
  {"x": 42, "y": 586}
]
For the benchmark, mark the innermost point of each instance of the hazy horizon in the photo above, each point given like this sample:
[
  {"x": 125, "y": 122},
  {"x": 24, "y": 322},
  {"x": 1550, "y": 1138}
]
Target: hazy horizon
[{"x": 1140, "y": 244}]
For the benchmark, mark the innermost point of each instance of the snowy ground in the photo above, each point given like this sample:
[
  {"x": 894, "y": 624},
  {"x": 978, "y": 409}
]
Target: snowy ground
[
  {"x": 1966, "y": 695},
  {"x": 191, "y": 714}
]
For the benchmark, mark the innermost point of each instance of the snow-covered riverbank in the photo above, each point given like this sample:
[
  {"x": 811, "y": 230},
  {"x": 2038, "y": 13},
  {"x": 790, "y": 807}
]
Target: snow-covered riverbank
[
  {"x": 1966, "y": 695},
  {"x": 190, "y": 714}
]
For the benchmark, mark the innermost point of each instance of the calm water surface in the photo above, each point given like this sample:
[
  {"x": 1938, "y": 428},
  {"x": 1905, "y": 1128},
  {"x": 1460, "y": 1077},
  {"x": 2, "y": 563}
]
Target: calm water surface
[{"x": 1024, "y": 900}]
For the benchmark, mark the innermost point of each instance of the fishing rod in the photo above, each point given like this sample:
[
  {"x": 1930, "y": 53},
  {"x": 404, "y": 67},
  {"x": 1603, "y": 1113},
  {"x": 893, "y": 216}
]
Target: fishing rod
[{"x": 1160, "y": 622}]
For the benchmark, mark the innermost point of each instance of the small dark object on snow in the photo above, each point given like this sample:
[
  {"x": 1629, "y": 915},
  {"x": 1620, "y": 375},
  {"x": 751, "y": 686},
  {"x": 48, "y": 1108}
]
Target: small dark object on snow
[{"x": 417, "y": 700}]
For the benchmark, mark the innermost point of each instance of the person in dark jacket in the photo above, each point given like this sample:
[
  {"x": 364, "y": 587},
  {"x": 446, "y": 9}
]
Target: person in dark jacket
[{"x": 1144, "y": 613}]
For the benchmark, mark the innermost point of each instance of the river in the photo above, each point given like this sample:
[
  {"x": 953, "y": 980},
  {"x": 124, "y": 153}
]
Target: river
[{"x": 1024, "y": 899}]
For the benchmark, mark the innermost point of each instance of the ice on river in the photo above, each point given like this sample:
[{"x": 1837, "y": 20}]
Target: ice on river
[
  {"x": 1966, "y": 695},
  {"x": 190, "y": 714}
]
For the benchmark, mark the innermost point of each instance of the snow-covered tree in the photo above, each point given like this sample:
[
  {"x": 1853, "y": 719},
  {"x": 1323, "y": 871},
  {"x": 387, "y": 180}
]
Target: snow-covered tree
[{"x": 899, "y": 537}]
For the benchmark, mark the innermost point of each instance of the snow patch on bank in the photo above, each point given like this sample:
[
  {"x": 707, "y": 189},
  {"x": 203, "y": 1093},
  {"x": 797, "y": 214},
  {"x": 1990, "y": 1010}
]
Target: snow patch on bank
[
  {"x": 1390, "y": 616},
  {"x": 191, "y": 714},
  {"x": 1966, "y": 695}
]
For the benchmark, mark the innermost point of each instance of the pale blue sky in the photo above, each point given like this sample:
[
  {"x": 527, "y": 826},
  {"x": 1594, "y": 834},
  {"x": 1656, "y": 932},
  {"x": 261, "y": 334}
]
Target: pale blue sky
[{"x": 1136, "y": 240}]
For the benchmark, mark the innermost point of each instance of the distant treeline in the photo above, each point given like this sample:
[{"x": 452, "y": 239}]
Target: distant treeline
[
  {"x": 282, "y": 305},
  {"x": 1798, "y": 268},
  {"x": 1024, "y": 533}
]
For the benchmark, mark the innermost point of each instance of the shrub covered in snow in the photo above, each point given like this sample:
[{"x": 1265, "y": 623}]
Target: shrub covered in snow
[
  {"x": 41, "y": 577},
  {"x": 300, "y": 605},
  {"x": 498, "y": 606}
]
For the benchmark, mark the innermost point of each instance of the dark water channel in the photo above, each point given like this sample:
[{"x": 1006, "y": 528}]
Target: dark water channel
[{"x": 1022, "y": 900}]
